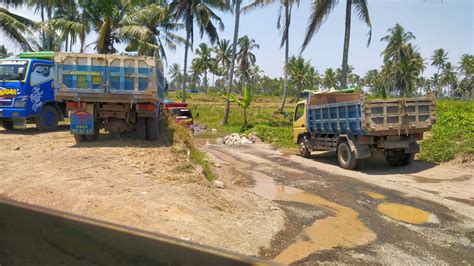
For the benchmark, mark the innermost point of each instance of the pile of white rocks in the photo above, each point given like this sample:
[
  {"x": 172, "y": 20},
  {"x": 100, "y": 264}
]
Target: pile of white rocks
[{"x": 235, "y": 139}]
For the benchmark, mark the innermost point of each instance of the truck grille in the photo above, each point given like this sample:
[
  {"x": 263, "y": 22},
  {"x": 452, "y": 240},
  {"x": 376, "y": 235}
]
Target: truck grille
[{"x": 6, "y": 102}]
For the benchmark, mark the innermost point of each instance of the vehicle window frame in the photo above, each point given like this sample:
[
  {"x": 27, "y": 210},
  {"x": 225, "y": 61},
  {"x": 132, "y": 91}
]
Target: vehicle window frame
[
  {"x": 26, "y": 65},
  {"x": 51, "y": 68},
  {"x": 298, "y": 106}
]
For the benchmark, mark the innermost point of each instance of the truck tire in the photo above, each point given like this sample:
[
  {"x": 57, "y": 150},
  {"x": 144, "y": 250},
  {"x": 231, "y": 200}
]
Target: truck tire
[
  {"x": 345, "y": 156},
  {"x": 303, "y": 146},
  {"x": 140, "y": 128},
  {"x": 6, "y": 124},
  {"x": 48, "y": 119},
  {"x": 152, "y": 128},
  {"x": 79, "y": 138},
  {"x": 399, "y": 158}
]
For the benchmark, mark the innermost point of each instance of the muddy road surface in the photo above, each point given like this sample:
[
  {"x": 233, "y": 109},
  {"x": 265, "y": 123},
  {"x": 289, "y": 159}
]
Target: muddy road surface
[{"x": 418, "y": 214}]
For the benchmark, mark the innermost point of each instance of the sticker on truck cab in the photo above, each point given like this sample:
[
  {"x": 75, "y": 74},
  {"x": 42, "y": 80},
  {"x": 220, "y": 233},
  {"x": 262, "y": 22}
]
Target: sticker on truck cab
[
  {"x": 82, "y": 122},
  {"x": 8, "y": 92}
]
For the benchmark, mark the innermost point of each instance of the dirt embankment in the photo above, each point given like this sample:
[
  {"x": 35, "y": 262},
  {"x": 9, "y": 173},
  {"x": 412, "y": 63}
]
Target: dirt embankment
[{"x": 138, "y": 184}]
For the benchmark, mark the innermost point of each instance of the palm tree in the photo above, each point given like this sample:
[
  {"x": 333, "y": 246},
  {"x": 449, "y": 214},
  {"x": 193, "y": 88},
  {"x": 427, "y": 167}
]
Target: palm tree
[
  {"x": 223, "y": 55},
  {"x": 449, "y": 78},
  {"x": 4, "y": 52},
  {"x": 297, "y": 70},
  {"x": 373, "y": 81},
  {"x": 322, "y": 9},
  {"x": 204, "y": 61},
  {"x": 236, "y": 5},
  {"x": 287, "y": 5},
  {"x": 245, "y": 57},
  {"x": 175, "y": 74},
  {"x": 438, "y": 60},
  {"x": 73, "y": 24},
  {"x": 148, "y": 29},
  {"x": 312, "y": 78},
  {"x": 201, "y": 13},
  {"x": 466, "y": 69},
  {"x": 403, "y": 63},
  {"x": 396, "y": 41},
  {"x": 15, "y": 27},
  {"x": 329, "y": 79}
]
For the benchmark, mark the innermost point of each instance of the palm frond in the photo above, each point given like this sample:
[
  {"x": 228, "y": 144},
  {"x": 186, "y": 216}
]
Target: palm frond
[{"x": 320, "y": 11}]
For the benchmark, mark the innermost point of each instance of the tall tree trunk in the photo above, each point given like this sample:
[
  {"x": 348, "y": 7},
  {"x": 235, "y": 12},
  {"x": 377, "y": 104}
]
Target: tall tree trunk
[
  {"x": 245, "y": 118},
  {"x": 347, "y": 37},
  {"x": 185, "y": 76},
  {"x": 231, "y": 70},
  {"x": 50, "y": 36},
  {"x": 287, "y": 47},
  {"x": 206, "y": 85},
  {"x": 67, "y": 43},
  {"x": 43, "y": 34}
]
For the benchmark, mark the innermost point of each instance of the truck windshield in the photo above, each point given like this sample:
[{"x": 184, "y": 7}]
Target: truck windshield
[{"x": 10, "y": 72}]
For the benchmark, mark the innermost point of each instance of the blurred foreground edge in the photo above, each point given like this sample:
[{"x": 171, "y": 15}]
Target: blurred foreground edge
[{"x": 35, "y": 235}]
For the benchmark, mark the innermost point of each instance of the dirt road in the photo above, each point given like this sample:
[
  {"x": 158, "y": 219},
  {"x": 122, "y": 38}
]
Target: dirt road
[
  {"x": 138, "y": 184},
  {"x": 419, "y": 214}
]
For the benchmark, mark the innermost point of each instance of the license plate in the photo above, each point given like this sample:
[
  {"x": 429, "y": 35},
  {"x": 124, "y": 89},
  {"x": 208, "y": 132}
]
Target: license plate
[{"x": 82, "y": 122}]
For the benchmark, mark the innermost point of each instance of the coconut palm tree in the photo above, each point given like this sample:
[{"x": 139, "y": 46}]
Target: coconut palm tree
[
  {"x": 297, "y": 70},
  {"x": 449, "y": 78},
  {"x": 236, "y": 5},
  {"x": 204, "y": 61},
  {"x": 223, "y": 55},
  {"x": 396, "y": 39},
  {"x": 287, "y": 5},
  {"x": 199, "y": 12},
  {"x": 148, "y": 29},
  {"x": 4, "y": 52},
  {"x": 329, "y": 80},
  {"x": 175, "y": 74},
  {"x": 321, "y": 10},
  {"x": 466, "y": 69},
  {"x": 15, "y": 28},
  {"x": 438, "y": 60},
  {"x": 373, "y": 81},
  {"x": 245, "y": 57}
]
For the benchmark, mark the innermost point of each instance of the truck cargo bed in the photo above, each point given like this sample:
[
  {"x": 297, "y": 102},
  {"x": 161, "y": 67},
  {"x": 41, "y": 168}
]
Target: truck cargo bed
[
  {"x": 351, "y": 114},
  {"x": 107, "y": 78}
]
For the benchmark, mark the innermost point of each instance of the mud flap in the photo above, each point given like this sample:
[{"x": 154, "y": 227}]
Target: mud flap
[{"x": 362, "y": 151}]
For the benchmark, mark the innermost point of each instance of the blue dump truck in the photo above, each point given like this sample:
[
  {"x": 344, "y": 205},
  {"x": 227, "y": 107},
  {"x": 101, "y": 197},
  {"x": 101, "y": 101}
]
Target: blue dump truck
[
  {"x": 116, "y": 92},
  {"x": 355, "y": 127},
  {"x": 27, "y": 94}
]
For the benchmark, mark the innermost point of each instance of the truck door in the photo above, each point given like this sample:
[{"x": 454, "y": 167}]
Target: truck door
[
  {"x": 41, "y": 79},
  {"x": 299, "y": 121}
]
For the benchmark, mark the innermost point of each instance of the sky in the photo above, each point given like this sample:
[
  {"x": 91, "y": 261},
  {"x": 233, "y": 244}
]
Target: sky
[{"x": 447, "y": 24}]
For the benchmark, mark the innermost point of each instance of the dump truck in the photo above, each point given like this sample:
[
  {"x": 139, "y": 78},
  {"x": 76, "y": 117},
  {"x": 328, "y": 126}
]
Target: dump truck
[
  {"x": 119, "y": 93},
  {"x": 356, "y": 127},
  {"x": 27, "y": 94}
]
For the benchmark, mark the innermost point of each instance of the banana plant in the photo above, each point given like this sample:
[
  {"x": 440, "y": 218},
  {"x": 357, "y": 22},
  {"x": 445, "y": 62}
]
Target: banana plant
[{"x": 244, "y": 102}]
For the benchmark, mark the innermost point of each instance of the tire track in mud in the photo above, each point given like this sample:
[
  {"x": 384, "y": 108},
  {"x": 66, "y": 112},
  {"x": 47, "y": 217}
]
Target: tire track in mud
[{"x": 352, "y": 224}]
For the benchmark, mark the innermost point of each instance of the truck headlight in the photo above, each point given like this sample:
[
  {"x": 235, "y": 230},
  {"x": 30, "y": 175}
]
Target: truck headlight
[{"x": 20, "y": 104}]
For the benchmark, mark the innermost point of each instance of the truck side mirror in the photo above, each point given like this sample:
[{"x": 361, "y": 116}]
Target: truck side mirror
[{"x": 21, "y": 73}]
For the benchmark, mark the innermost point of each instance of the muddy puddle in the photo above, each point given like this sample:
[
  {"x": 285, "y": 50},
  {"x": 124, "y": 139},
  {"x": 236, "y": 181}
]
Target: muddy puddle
[
  {"x": 401, "y": 212},
  {"x": 342, "y": 229}
]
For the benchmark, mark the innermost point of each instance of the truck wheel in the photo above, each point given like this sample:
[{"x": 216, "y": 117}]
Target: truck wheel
[
  {"x": 140, "y": 128},
  {"x": 408, "y": 159},
  {"x": 6, "y": 124},
  {"x": 48, "y": 118},
  {"x": 345, "y": 156},
  {"x": 152, "y": 129},
  {"x": 80, "y": 138},
  {"x": 303, "y": 147}
]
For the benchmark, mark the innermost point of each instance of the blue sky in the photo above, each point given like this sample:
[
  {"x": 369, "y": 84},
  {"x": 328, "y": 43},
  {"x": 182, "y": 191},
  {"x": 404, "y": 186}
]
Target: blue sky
[{"x": 447, "y": 24}]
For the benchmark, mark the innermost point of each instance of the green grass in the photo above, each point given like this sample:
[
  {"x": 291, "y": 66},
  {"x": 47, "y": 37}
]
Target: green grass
[
  {"x": 453, "y": 133},
  {"x": 270, "y": 127}
]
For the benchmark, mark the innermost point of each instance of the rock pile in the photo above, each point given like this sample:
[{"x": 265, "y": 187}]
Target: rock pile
[{"x": 239, "y": 139}]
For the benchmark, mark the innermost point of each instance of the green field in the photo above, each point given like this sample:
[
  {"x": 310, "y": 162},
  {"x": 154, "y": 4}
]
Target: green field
[{"x": 452, "y": 136}]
